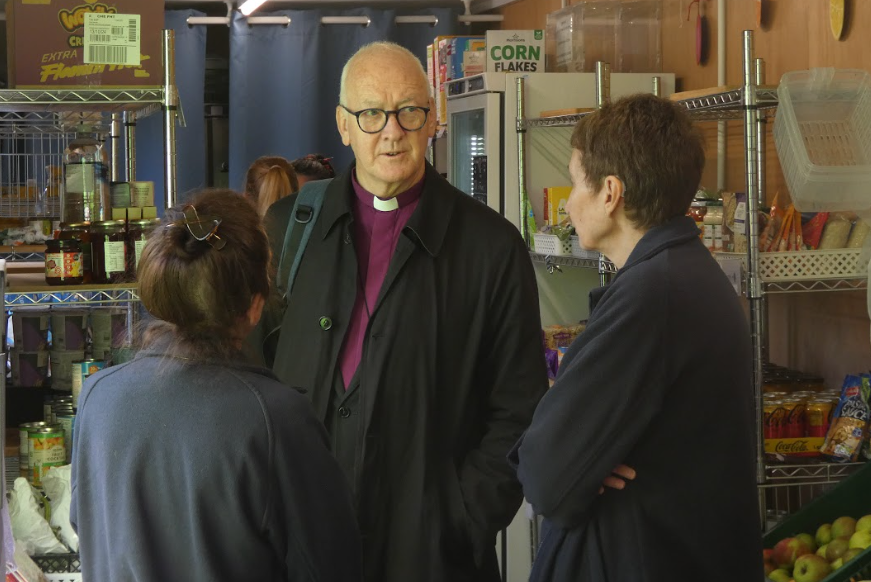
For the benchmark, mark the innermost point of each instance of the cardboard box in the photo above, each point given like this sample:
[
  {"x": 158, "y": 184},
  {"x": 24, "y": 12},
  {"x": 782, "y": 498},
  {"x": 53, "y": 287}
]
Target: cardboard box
[
  {"x": 46, "y": 43},
  {"x": 120, "y": 193},
  {"x": 515, "y": 51},
  {"x": 555, "y": 200}
]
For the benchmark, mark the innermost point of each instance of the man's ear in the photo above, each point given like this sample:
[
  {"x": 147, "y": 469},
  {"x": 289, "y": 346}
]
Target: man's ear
[
  {"x": 431, "y": 121},
  {"x": 612, "y": 190},
  {"x": 342, "y": 124}
]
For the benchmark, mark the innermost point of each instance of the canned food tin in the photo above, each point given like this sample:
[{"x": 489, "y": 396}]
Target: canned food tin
[
  {"x": 23, "y": 445},
  {"x": 81, "y": 370},
  {"x": 819, "y": 415},
  {"x": 796, "y": 411},
  {"x": 46, "y": 449},
  {"x": 68, "y": 423},
  {"x": 774, "y": 419}
]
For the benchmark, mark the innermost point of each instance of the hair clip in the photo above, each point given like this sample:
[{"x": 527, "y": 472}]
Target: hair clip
[{"x": 204, "y": 229}]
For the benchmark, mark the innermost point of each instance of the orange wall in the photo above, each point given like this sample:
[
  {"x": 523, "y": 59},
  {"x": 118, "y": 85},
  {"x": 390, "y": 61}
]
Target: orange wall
[{"x": 822, "y": 333}]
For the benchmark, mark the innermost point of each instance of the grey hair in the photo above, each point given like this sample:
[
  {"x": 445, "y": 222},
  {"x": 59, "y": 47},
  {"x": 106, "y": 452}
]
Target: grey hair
[{"x": 374, "y": 47}]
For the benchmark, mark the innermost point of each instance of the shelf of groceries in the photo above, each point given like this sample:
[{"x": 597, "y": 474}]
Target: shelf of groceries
[{"x": 721, "y": 104}]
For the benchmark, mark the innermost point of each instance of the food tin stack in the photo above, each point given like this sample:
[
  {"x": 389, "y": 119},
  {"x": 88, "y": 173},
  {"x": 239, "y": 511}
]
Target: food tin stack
[{"x": 41, "y": 447}]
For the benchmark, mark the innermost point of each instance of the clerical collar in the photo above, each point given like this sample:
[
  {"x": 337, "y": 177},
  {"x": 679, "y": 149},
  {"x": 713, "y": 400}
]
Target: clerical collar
[{"x": 368, "y": 199}]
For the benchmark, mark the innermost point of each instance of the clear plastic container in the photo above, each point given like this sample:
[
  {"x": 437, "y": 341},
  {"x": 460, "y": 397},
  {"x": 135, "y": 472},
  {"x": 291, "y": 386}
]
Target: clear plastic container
[
  {"x": 563, "y": 49},
  {"x": 598, "y": 29},
  {"x": 823, "y": 136},
  {"x": 639, "y": 37},
  {"x": 86, "y": 193}
]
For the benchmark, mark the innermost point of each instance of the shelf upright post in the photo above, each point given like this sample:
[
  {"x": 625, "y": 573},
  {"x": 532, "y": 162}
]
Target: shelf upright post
[
  {"x": 603, "y": 96},
  {"x": 3, "y": 411},
  {"x": 170, "y": 113},
  {"x": 657, "y": 86},
  {"x": 520, "y": 126},
  {"x": 603, "y": 83},
  {"x": 130, "y": 137},
  {"x": 761, "y": 132},
  {"x": 754, "y": 285},
  {"x": 117, "y": 169}
]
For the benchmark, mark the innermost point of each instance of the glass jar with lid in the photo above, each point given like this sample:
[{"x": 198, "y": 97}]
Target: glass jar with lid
[
  {"x": 80, "y": 231},
  {"x": 109, "y": 251},
  {"x": 86, "y": 192},
  {"x": 63, "y": 262},
  {"x": 138, "y": 232}
]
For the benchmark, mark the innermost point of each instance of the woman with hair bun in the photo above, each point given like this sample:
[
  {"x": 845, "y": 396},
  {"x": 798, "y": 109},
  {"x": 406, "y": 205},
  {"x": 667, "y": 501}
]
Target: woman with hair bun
[
  {"x": 269, "y": 179},
  {"x": 313, "y": 167},
  {"x": 188, "y": 463}
]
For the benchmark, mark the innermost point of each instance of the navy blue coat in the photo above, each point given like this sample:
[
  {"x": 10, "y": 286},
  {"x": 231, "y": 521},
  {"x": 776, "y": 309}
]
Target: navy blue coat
[
  {"x": 660, "y": 380},
  {"x": 206, "y": 471}
]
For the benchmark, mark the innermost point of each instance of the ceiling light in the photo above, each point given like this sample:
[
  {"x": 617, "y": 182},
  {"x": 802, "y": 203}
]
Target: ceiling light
[{"x": 250, "y": 6}]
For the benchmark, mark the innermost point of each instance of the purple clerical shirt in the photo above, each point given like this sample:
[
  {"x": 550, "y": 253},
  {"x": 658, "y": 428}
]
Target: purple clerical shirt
[{"x": 376, "y": 233}]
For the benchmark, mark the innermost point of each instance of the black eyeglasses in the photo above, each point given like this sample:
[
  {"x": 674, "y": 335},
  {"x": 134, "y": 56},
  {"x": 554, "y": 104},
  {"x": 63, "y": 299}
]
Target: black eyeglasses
[{"x": 410, "y": 118}]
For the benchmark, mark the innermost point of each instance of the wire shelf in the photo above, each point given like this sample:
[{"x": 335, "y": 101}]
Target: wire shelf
[
  {"x": 810, "y": 286},
  {"x": 97, "y": 100},
  {"x": 778, "y": 475},
  {"x": 87, "y": 295},
  {"x": 552, "y": 261}
]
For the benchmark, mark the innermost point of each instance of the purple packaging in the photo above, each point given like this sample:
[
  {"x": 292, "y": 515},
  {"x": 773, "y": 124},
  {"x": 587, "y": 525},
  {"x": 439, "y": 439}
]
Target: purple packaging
[
  {"x": 30, "y": 330},
  {"x": 68, "y": 329}
]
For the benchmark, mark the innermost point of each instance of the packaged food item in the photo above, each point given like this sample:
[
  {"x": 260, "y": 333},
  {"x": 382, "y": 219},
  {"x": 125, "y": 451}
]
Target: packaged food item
[
  {"x": 795, "y": 239},
  {"x": 774, "y": 419},
  {"x": 812, "y": 231},
  {"x": 781, "y": 242},
  {"x": 849, "y": 422},
  {"x": 772, "y": 227},
  {"x": 836, "y": 232},
  {"x": 557, "y": 336},
  {"x": 858, "y": 234}
]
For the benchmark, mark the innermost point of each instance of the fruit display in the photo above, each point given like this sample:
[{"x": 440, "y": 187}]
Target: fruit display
[{"x": 807, "y": 557}]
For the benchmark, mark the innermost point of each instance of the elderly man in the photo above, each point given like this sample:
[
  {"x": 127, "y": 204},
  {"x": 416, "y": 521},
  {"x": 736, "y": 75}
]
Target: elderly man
[
  {"x": 640, "y": 385},
  {"x": 413, "y": 326}
]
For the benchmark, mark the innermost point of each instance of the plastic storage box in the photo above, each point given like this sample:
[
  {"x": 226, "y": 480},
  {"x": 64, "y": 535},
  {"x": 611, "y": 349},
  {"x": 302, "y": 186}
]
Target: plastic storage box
[
  {"x": 850, "y": 497},
  {"x": 823, "y": 136},
  {"x": 639, "y": 37},
  {"x": 550, "y": 244}
]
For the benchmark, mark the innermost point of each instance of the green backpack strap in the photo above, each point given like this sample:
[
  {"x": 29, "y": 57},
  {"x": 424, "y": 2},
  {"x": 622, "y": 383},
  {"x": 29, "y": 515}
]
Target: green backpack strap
[{"x": 304, "y": 215}]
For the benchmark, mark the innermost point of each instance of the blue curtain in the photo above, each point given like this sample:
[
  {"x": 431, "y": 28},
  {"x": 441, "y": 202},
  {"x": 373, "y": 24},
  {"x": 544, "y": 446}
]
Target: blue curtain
[
  {"x": 284, "y": 81},
  {"x": 190, "y": 77}
]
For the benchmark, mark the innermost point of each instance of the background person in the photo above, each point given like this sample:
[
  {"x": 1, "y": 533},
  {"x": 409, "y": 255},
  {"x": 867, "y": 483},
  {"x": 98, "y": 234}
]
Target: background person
[
  {"x": 313, "y": 167},
  {"x": 269, "y": 179}
]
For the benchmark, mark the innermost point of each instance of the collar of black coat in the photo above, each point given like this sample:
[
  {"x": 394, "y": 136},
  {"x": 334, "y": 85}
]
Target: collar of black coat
[
  {"x": 673, "y": 232},
  {"x": 429, "y": 222}
]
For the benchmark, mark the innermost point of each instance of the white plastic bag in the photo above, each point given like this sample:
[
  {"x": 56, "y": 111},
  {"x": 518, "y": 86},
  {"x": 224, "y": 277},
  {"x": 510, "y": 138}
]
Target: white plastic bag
[
  {"x": 56, "y": 484},
  {"x": 32, "y": 533}
]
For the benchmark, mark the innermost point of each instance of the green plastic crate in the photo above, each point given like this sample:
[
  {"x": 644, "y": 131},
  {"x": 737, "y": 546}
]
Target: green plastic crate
[{"x": 850, "y": 497}]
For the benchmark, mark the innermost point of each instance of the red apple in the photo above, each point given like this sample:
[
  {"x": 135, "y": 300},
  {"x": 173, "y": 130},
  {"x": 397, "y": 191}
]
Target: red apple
[
  {"x": 766, "y": 555},
  {"x": 811, "y": 568},
  {"x": 788, "y": 550},
  {"x": 768, "y": 567}
]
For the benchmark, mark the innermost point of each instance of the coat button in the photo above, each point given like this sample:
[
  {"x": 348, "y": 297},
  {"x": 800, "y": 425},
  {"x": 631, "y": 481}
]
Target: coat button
[
  {"x": 347, "y": 238},
  {"x": 344, "y": 412},
  {"x": 325, "y": 322}
]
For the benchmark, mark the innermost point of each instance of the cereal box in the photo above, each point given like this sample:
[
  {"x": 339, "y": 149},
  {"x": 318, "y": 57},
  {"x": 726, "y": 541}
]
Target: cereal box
[{"x": 515, "y": 51}]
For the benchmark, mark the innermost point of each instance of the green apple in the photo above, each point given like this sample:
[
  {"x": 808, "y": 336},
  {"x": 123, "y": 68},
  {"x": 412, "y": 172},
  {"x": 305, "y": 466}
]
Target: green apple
[
  {"x": 811, "y": 568},
  {"x": 843, "y": 527},
  {"x": 836, "y": 548},
  {"x": 821, "y": 551},
  {"x": 864, "y": 523},
  {"x": 836, "y": 565},
  {"x": 851, "y": 553},
  {"x": 824, "y": 534},
  {"x": 780, "y": 575},
  {"x": 809, "y": 541},
  {"x": 768, "y": 568},
  {"x": 860, "y": 539}
]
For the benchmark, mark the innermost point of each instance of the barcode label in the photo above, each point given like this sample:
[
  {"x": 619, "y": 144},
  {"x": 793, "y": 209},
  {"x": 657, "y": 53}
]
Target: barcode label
[
  {"x": 112, "y": 39},
  {"x": 107, "y": 55}
]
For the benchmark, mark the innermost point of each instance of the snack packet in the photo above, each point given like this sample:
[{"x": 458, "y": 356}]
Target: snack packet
[
  {"x": 849, "y": 423},
  {"x": 813, "y": 230},
  {"x": 772, "y": 227}
]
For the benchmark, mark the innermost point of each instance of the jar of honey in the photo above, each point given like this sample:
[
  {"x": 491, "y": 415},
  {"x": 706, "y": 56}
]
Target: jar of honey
[{"x": 109, "y": 251}]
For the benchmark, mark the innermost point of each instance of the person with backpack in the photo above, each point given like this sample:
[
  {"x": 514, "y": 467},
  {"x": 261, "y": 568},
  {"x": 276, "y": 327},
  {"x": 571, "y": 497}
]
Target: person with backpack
[{"x": 409, "y": 316}]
